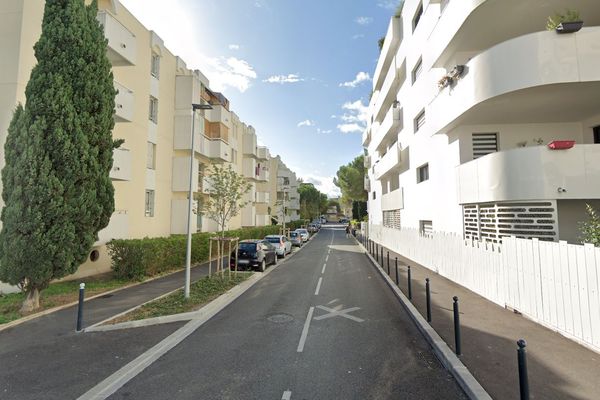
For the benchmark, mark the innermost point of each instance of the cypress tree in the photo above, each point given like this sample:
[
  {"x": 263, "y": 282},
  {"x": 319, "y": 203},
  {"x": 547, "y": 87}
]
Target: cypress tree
[{"x": 56, "y": 185}]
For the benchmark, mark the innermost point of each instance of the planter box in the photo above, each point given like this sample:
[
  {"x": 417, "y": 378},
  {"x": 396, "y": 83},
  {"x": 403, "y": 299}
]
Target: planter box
[{"x": 569, "y": 27}]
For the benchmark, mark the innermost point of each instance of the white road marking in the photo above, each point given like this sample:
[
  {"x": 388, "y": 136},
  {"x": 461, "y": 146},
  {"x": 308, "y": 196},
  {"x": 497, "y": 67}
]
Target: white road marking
[
  {"x": 327, "y": 258},
  {"x": 341, "y": 313},
  {"x": 333, "y": 301},
  {"x": 305, "y": 330},
  {"x": 323, "y": 270},
  {"x": 287, "y": 395},
  {"x": 318, "y": 286}
]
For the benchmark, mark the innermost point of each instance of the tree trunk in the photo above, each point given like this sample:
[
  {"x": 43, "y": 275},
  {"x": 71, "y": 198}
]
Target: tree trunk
[{"x": 31, "y": 302}]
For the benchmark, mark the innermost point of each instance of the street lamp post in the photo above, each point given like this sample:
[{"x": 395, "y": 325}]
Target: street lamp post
[{"x": 188, "y": 251}]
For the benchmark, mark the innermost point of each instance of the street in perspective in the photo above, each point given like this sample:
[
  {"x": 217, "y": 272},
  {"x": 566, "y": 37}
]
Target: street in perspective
[{"x": 256, "y": 199}]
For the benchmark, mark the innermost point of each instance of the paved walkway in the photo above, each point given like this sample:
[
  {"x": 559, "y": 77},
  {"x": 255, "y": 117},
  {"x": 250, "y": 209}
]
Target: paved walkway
[{"x": 558, "y": 367}]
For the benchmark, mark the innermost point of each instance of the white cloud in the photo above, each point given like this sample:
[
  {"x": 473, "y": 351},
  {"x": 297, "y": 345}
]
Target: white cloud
[
  {"x": 229, "y": 72},
  {"x": 360, "y": 77},
  {"x": 306, "y": 122},
  {"x": 323, "y": 183},
  {"x": 281, "y": 79},
  {"x": 358, "y": 36},
  {"x": 355, "y": 117},
  {"x": 325, "y": 131},
  {"x": 234, "y": 47},
  {"x": 363, "y": 20},
  {"x": 333, "y": 116},
  {"x": 389, "y": 4}
]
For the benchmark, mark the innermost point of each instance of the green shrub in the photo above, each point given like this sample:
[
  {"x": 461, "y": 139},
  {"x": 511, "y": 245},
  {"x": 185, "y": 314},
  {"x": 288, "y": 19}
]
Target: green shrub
[{"x": 136, "y": 259}]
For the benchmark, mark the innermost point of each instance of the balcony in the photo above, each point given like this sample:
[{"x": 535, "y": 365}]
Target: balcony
[
  {"x": 124, "y": 103},
  {"x": 531, "y": 173},
  {"x": 118, "y": 228},
  {"x": 394, "y": 80},
  {"x": 367, "y": 162},
  {"x": 218, "y": 150},
  {"x": 366, "y": 137},
  {"x": 122, "y": 46},
  {"x": 263, "y": 197},
  {"x": 219, "y": 114},
  {"x": 390, "y": 162},
  {"x": 388, "y": 51},
  {"x": 389, "y": 128},
  {"x": 182, "y": 133},
  {"x": 121, "y": 168},
  {"x": 262, "y": 153},
  {"x": 393, "y": 200},
  {"x": 263, "y": 172},
  {"x": 249, "y": 168},
  {"x": 180, "y": 181},
  {"x": 528, "y": 79},
  {"x": 367, "y": 184}
]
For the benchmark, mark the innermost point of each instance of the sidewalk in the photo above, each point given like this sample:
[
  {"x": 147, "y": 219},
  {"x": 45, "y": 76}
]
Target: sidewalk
[{"x": 558, "y": 367}]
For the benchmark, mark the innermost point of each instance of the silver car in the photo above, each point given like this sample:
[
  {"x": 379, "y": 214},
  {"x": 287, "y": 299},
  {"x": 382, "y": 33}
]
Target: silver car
[
  {"x": 282, "y": 244},
  {"x": 304, "y": 233}
]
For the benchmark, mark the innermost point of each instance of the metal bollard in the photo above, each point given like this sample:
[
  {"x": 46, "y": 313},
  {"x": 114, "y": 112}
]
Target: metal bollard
[
  {"x": 409, "y": 285},
  {"x": 428, "y": 295},
  {"x": 456, "y": 326},
  {"x": 523, "y": 378},
  {"x": 80, "y": 308},
  {"x": 388, "y": 262},
  {"x": 397, "y": 281},
  {"x": 382, "y": 257},
  {"x": 377, "y": 252}
]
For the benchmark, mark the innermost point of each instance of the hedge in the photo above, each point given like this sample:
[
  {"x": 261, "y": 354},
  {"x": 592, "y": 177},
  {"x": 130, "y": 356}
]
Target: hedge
[{"x": 136, "y": 259}]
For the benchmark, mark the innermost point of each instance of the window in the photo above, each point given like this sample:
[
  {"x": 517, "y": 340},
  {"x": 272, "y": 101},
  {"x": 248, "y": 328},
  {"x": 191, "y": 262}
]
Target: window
[
  {"x": 423, "y": 173},
  {"x": 149, "y": 203},
  {"x": 374, "y": 195},
  {"x": 417, "y": 70},
  {"x": 151, "y": 156},
  {"x": 419, "y": 121},
  {"x": 597, "y": 134},
  {"x": 153, "y": 112},
  {"x": 484, "y": 144},
  {"x": 155, "y": 65},
  {"x": 426, "y": 228},
  {"x": 417, "y": 16},
  {"x": 391, "y": 219}
]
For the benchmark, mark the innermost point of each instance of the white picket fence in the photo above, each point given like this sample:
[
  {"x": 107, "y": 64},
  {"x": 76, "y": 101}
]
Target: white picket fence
[{"x": 554, "y": 284}]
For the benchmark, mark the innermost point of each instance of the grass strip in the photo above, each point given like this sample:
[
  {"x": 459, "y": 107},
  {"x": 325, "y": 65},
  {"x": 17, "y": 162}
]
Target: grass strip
[
  {"x": 201, "y": 292},
  {"x": 57, "y": 294}
]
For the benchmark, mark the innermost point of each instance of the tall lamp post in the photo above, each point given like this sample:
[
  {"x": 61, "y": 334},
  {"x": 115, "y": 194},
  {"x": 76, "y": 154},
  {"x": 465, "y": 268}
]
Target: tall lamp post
[{"x": 188, "y": 251}]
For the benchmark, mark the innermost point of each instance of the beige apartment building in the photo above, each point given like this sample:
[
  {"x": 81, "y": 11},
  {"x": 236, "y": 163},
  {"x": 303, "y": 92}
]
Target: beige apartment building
[{"x": 153, "y": 114}]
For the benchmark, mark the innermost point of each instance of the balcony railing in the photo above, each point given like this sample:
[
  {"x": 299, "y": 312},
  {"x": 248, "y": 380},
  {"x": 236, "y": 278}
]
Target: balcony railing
[
  {"x": 121, "y": 169},
  {"x": 390, "y": 45},
  {"x": 122, "y": 46},
  {"x": 367, "y": 184},
  {"x": 390, "y": 127},
  {"x": 218, "y": 150},
  {"x": 124, "y": 103},
  {"x": 390, "y": 162},
  {"x": 393, "y": 200},
  {"x": 263, "y": 153},
  {"x": 531, "y": 173}
]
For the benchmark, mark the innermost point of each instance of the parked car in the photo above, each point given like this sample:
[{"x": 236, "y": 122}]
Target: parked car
[
  {"x": 304, "y": 234},
  {"x": 254, "y": 254},
  {"x": 296, "y": 239},
  {"x": 312, "y": 228},
  {"x": 281, "y": 243}
]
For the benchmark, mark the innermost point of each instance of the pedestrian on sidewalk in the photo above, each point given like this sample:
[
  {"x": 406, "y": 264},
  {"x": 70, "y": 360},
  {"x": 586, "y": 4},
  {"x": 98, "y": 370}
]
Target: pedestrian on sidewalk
[{"x": 348, "y": 230}]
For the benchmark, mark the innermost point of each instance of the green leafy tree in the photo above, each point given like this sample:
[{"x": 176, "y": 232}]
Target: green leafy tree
[
  {"x": 350, "y": 179},
  {"x": 590, "y": 230},
  {"x": 310, "y": 201},
  {"x": 56, "y": 185},
  {"x": 226, "y": 191}
]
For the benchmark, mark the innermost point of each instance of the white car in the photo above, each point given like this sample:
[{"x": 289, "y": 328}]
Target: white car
[
  {"x": 304, "y": 233},
  {"x": 282, "y": 244}
]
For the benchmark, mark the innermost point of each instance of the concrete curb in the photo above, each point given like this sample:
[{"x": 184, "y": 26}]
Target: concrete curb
[
  {"x": 247, "y": 284},
  {"x": 451, "y": 362}
]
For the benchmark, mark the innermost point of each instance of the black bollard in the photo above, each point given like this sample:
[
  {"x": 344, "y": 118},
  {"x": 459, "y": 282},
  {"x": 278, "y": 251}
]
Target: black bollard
[
  {"x": 456, "y": 326},
  {"x": 397, "y": 281},
  {"x": 382, "y": 256},
  {"x": 523, "y": 378},
  {"x": 80, "y": 308},
  {"x": 388, "y": 262},
  {"x": 377, "y": 252},
  {"x": 409, "y": 285},
  {"x": 428, "y": 295}
]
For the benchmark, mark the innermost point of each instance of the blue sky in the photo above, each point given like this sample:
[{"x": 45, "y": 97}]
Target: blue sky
[{"x": 298, "y": 71}]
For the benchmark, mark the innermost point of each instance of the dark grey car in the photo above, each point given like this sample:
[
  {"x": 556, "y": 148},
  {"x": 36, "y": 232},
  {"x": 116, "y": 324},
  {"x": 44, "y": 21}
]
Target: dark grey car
[{"x": 254, "y": 254}]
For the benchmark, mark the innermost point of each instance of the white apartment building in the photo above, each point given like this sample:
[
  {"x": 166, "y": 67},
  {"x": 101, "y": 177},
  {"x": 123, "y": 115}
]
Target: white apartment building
[
  {"x": 288, "y": 198},
  {"x": 467, "y": 97}
]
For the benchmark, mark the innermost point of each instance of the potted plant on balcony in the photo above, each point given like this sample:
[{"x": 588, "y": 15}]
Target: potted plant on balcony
[
  {"x": 444, "y": 81},
  {"x": 569, "y": 22}
]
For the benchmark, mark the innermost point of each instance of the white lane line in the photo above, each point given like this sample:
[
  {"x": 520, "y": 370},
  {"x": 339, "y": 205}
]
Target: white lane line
[
  {"x": 287, "y": 395},
  {"x": 318, "y": 286},
  {"x": 305, "y": 330},
  {"x": 327, "y": 258},
  {"x": 323, "y": 270}
]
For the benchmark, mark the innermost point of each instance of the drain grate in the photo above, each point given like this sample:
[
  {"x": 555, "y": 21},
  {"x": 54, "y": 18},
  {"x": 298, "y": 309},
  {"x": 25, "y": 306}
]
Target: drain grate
[{"x": 280, "y": 318}]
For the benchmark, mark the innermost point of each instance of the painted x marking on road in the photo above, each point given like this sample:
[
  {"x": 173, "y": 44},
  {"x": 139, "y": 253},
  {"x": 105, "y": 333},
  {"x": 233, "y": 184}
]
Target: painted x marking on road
[{"x": 341, "y": 313}]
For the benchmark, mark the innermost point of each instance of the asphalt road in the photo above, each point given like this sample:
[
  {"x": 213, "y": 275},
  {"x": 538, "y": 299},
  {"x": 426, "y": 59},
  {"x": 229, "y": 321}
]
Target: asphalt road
[{"x": 323, "y": 325}]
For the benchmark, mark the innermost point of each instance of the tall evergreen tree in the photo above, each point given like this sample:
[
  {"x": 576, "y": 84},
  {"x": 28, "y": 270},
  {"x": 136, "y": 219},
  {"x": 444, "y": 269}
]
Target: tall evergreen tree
[{"x": 56, "y": 185}]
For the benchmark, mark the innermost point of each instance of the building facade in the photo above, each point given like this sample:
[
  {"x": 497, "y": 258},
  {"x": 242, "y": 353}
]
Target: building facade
[
  {"x": 468, "y": 115},
  {"x": 154, "y": 115}
]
